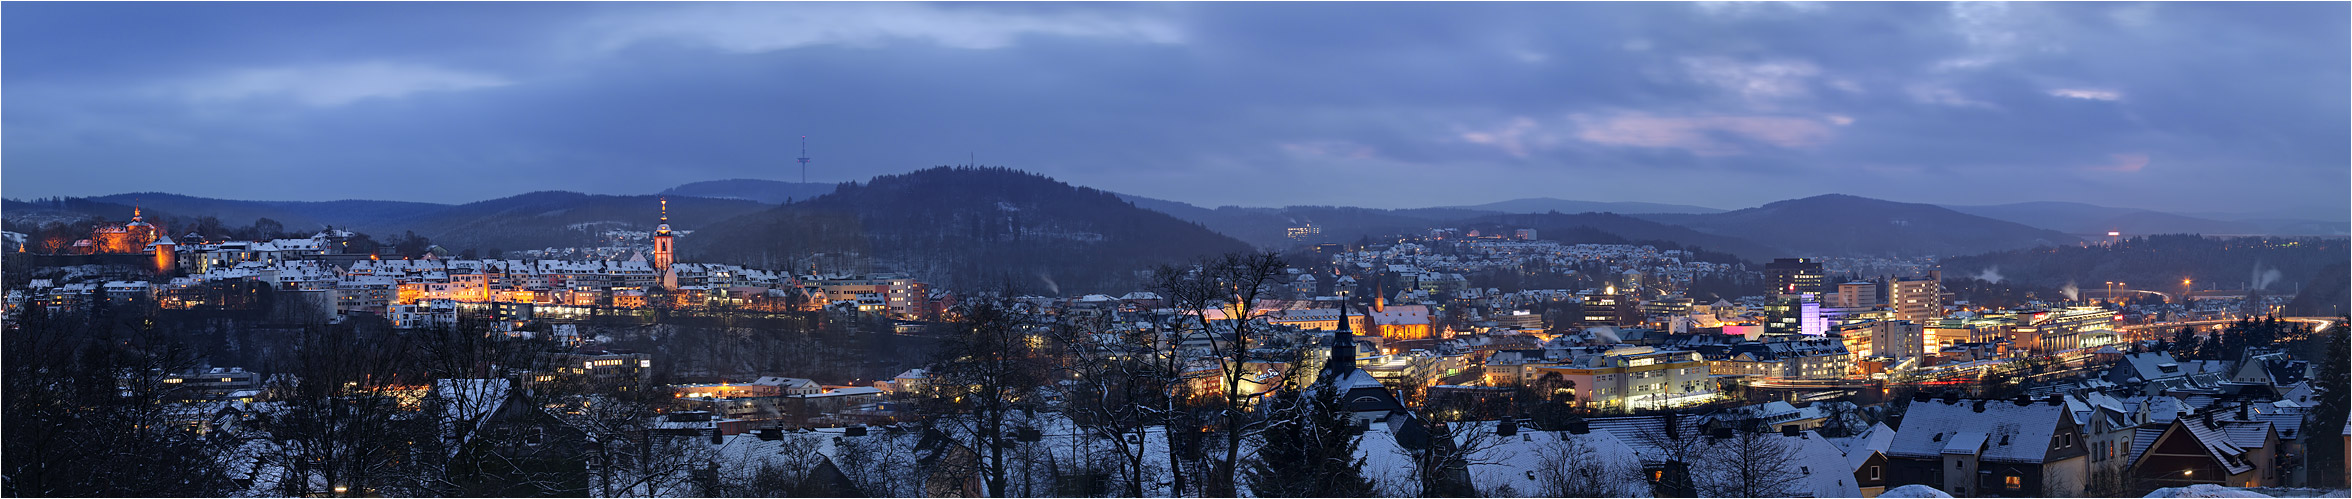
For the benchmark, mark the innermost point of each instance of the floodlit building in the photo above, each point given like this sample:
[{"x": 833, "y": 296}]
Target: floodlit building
[{"x": 1918, "y": 299}]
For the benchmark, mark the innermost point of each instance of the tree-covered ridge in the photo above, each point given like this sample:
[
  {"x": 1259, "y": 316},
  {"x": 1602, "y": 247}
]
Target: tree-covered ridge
[
  {"x": 2278, "y": 265},
  {"x": 983, "y": 226}
]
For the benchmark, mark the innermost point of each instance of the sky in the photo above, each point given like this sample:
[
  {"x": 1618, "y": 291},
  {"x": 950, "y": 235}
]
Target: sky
[{"x": 2185, "y": 107}]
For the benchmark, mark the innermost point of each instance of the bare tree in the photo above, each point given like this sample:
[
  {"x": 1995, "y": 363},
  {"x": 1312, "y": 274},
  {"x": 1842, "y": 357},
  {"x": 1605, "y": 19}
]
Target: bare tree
[
  {"x": 1112, "y": 384},
  {"x": 90, "y": 412},
  {"x": 1748, "y": 464},
  {"x": 1574, "y": 467},
  {"x": 1233, "y": 284},
  {"x": 1678, "y": 447},
  {"x": 882, "y": 466},
  {"x": 987, "y": 371},
  {"x": 343, "y": 415},
  {"x": 1461, "y": 432}
]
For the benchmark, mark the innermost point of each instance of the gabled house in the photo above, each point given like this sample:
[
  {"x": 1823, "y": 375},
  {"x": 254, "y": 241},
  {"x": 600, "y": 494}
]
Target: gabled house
[
  {"x": 1866, "y": 458},
  {"x": 1990, "y": 448},
  {"x": 2208, "y": 448},
  {"x": 512, "y": 446}
]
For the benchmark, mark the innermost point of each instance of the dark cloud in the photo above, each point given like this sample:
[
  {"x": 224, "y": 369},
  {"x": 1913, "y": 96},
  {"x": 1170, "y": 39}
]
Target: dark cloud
[{"x": 2182, "y": 106}]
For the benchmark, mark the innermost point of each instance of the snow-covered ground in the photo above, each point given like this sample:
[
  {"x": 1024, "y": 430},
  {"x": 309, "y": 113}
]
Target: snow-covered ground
[{"x": 2202, "y": 490}]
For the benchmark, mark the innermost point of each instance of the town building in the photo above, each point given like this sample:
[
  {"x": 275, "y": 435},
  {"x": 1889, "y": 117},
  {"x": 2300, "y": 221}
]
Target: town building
[{"x": 1990, "y": 448}]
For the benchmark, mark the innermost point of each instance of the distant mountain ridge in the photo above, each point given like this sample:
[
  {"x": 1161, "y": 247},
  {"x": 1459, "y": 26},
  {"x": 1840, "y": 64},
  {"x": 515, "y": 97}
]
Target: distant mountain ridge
[
  {"x": 1840, "y": 224},
  {"x": 526, "y": 221},
  {"x": 1002, "y": 211},
  {"x": 978, "y": 228},
  {"x": 2094, "y": 220},
  {"x": 764, "y": 191},
  {"x": 1546, "y": 205}
]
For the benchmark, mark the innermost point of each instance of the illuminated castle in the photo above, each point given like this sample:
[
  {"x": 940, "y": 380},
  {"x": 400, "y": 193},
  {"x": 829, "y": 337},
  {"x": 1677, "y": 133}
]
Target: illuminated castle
[{"x": 126, "y": 239}]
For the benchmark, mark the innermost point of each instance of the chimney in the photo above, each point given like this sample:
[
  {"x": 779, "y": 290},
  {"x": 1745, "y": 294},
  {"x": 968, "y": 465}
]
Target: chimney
[
  {"x": 1979, "y": 406},
  {"x": 2057, "y": 401},
  {"x": 1579, "y": 427}
]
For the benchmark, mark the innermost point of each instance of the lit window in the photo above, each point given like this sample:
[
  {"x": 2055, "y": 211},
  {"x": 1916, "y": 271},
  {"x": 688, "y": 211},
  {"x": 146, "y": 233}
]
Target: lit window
[{"x": 2014, "y": 482}]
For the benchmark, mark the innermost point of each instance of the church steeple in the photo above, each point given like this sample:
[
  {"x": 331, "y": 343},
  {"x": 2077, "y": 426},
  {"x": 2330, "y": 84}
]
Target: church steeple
[
  {"x": 664, "y": 228},
  {"x": 664, "y": 249},
  {"x": 1343, "y": 348}
]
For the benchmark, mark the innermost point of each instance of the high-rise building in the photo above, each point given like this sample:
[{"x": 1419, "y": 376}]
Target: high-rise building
[
  {"x": 1896, "y": 342},
  {"x": 1917, "y": 299},
  {"x": 1792, "y": 276},
  {"x": 1857, "y": 294},
  {"x": 1796, "y": 314},
  {"x": 1610, "y": 309}
]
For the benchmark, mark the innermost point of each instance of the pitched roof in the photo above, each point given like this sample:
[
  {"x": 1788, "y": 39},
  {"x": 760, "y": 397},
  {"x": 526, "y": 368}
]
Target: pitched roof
[
  {"x": 2011, "y": 432},
  {"x": 1874, "y": 440},
  {"x": 2217, "y": 443}
]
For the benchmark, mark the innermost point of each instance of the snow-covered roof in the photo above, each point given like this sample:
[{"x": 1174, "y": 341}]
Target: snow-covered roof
[
  {"x": 1874, "y": 440},
  {"x": 466, "y": 403},
  {"x": 2009, "y": 432},
  {"x": 1914, "y": 491}
]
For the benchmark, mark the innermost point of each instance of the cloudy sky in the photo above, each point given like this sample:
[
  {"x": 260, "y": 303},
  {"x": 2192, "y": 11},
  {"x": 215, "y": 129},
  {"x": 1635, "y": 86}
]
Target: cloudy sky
[{"x": 2176, "y": 106}]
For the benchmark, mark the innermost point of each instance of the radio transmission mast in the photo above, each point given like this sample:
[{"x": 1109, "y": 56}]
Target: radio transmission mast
[{"x": 804, "y": 159}]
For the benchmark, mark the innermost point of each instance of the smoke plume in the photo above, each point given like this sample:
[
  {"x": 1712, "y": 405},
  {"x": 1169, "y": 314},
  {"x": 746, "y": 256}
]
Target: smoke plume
[{"x": 1990, "y": 274}]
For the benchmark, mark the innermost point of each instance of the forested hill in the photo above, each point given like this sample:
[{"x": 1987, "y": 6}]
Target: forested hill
[
  {"x": 2277, "y": 265},
  {"x": 1843, "y": 225},
  {"x": 971, "y": 228}
]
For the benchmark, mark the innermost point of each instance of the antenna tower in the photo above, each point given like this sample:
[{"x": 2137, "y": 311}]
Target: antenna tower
[{"x": 804, "y": 159}]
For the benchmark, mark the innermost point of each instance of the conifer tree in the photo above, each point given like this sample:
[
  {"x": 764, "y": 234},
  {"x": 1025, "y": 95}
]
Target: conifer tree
[{"x": 1307, "y": 450}]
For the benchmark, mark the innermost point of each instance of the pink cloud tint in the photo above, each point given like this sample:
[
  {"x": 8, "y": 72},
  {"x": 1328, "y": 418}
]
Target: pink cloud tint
[
  {"x": 1703, "y": 135},
  {"x": 1511, "y": 138},
  {"x": 2129, "y": 162}
]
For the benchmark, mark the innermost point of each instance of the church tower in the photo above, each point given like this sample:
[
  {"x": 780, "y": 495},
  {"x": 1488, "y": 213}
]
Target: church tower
[
  {"x": 663, "y": 253},
  {"x": 1343, "y": 349},
  {"x": 166, "y": 254}
]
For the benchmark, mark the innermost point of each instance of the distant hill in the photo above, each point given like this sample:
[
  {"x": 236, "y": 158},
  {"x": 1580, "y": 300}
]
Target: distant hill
[
  {"x": 1838, "y": 224},
  {"x": 2274, "y": 265},
  {"x": 303, "y": 216},
  {"x": 28, "y": 216},
  {"x": 764, "y": 191},
  {"x": 2093, "y": 220},
  {"x": 1611, "y": 228},
  {"x": 1270, "y": 227},
  {"x": 555, "y": 218},
  {"x": 534, "y": 220},
  {"x": 974, "y": 228},
  {"x": 2328, "y": 293},
  {"x": 1546, "y": 205}
]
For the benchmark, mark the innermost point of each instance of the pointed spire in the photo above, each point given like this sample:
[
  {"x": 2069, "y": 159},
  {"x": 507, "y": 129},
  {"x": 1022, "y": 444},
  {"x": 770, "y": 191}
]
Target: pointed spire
[
  {"x": 665, "y": 209},
  {"x": 1343, "y": 348}
]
